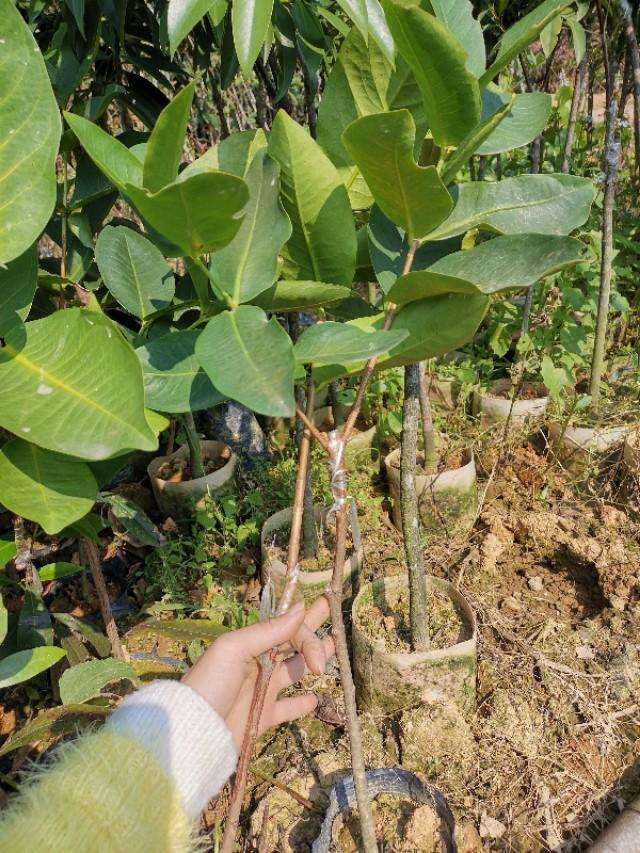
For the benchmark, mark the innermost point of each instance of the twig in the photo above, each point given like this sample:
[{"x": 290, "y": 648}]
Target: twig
[
  {"x": 268, "y": 661},
  {"x": 320, "y": 437},
  {"x": 92, "y": 557}
]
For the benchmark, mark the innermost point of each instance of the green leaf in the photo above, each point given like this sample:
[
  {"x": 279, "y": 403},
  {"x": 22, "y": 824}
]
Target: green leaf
[
  {"x": 34, "y": 623},
  {"x": 521, "y": 35},
  {"x": 505, "y": 263},
  {"x": 55, "y": 571},
  {"x": 356, "y": 11},
  {"x": 543, "y": 204},
  {"x": 182, "y": 16},
  {"x": 526, "y": 119},
  {"x": 549, "y": 36},
  {"x": 472, "y": 142},
  {"x": 114, "y": 159},
  {"x": 199, "y": 213},
  {"x": 554, "y": 378},
  {"x": 578, "y": 37},
  {"x": 29, "y": 132},
  {"x": 328, "y": 343},
  {"x": 457, "y": 16},
  {"x": 164, "y": 148},
  {"x": 83, "y": 627},
  {"x": 134, "y": 271},
  {"x": 71, "y": 383},
  {"x": 301, "y": 296},
  {"x": 233, "y": 154},
  {"x": 379, "y": 31},
  {"x": 363, "y": 81},
  {"x": 322, "y": 246},
  {"x": 7, "y": 551},
  {"x": 4, "y": 621},
  {"x": 512, "y": 261},
  {"x": 451, "y": 94},
  {"x": 412, "y": 196},
  {"x": 250, "y": 359},
  {"x": 133, "y": 518},
  {"x": 18, "y": 283},
  {"x": 435, "y": 326},
  {"x": 22, "y": 666},
  {"x": 46, "y": 487},
  {"x": 248, "y": 264},
  {"x": 53, "y": 722},
  {"x": 250, "y": 20},
  {"x": 174, "y": 380},
  {"x": 388, "y": 249},
  {"x": 86, "y": 680},
  {"x": 182, "y": 630}
]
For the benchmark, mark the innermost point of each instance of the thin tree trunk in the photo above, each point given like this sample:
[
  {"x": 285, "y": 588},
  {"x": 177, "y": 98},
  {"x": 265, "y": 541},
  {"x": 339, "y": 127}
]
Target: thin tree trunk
[
  {"x": 428, "y": 433},
  {"x": 309, "y": 536},
  {"x": 612, "y": 156},
  {"x": 22, "y": 560},
  {"x": 92, "y": 556},
  {"x": 576, "y": 98},
  {"x": 482, "y": 167},
  {"x": 634, "y": 58},
  {"x": 409, "y": 507},
  {"x": 498, "y": 167},
  {"x": 195, "y": 448},
  {"x": 218, "y": 100}
]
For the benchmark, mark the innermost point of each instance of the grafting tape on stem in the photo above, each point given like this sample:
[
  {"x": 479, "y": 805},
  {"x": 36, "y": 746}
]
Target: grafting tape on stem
[{"x": 338, "y": 473}]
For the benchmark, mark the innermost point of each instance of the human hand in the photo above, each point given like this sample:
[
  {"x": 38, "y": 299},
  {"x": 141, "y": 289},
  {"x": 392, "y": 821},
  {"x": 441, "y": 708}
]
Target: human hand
[{"x": 226, "y": 673}]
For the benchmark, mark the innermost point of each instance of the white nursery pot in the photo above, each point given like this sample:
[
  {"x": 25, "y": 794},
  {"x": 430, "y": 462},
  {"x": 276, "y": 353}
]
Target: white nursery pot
[
  {"x": 447, "y": 501},
  {"x": 576, "y": 446},
  {"x": 180, "y": 500},
  {"x": 494, "y": 409},
  {"x": 311, "y": 584}
]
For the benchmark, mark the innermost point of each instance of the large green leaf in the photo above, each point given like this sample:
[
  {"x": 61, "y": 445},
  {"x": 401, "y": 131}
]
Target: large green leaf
[
  {"x": 134, "y": 271},
  {"x": 328, "y": 343},
  {"x": 248, "y": 264},
  {"x": 133, "y": 519},
  {"x": 250, "y": 359},
  {"x": 71, "y": 383},
  {"x": 505, "y": 263},
  {"x": 362, "y": 82},
  {"x": 199, "y": 213},
  {"x": 164, "y": 148},
  {"x": 450, "y": 92},
  {"x": 412, "y": 196},
  {"x": 8, "y": 551},
  {"x": 542, "y": 204},
  {"x": 457, "y": 16},
  {"x": 18, "y": 282},
  {"x": 43, "y": 486},
  {"x": 53, "y": 722},
  {"x": 526, "y": 119},
  {"x": 521, "y": 35},
  {"x": 182, "y": 16},
  {"x": 181, "y": 630},
  {"x": 174, "y": 380},
  {"x": 86, "y": 630},
  {"x": 22, "y": 666},
  {"x": 86, "y": 680},
  {"x": 55, "y": 571},
  {"x": 34, "y": 623},
  {"x": 470, "y": 144},
  {"x": 29, "y": 134},
  {"x": 233, "y": 154},
  {"x": 115, "y": 160},
  {"x": 435, "y": 326},
  {"x": 322, "y": 246},
  {"x": 250, "y": 20},
  {"x": 301, "y": 295},
  {"x": 388, "y": 249}
]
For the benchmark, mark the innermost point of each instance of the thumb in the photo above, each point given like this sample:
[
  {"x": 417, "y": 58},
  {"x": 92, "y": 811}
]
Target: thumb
[{"x": 262, "y": 636}]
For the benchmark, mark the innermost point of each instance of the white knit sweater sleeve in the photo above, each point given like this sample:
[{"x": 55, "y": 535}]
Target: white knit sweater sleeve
[{"x": 190, "y": 741}]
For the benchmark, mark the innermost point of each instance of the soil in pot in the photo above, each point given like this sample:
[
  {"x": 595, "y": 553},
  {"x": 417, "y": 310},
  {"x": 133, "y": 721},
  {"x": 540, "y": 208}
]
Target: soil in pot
[
  {"x": 401, "y": 827},
  {"x": 178, "y": 469},
  {"x": 323, "y": 559},
  {"x": 389, "y": 676}
]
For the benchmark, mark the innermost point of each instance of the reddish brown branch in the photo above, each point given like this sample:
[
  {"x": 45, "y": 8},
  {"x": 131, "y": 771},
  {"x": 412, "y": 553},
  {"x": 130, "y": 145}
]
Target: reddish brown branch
[{"x": 92, "y": 556}]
